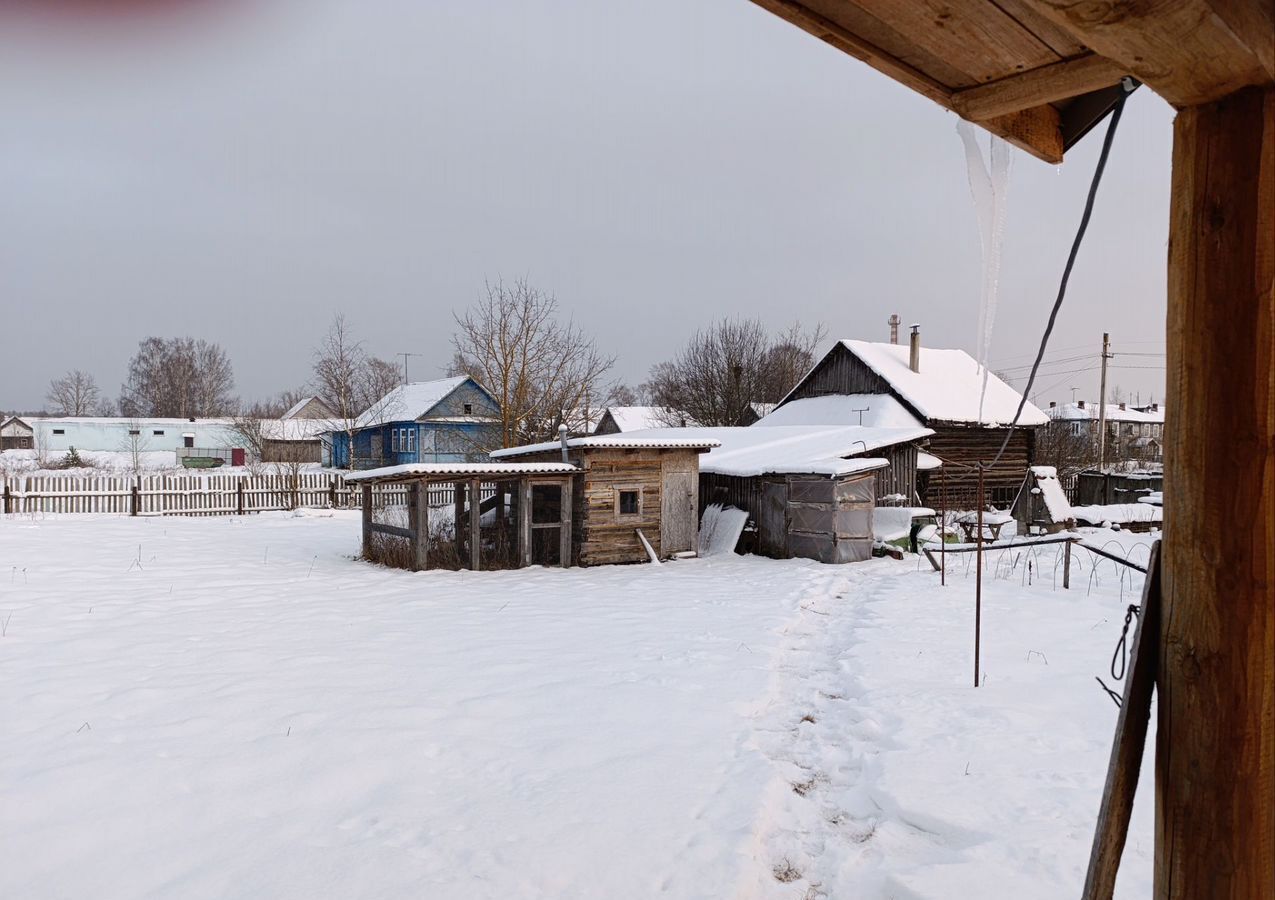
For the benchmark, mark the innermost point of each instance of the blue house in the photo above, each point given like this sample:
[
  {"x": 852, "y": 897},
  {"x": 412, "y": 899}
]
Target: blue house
[{"x": 448, "y": 420}]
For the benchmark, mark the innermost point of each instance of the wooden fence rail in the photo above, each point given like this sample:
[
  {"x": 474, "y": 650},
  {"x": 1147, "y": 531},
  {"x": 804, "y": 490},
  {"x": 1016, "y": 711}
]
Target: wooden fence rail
[{"x": 197, "y": 495}]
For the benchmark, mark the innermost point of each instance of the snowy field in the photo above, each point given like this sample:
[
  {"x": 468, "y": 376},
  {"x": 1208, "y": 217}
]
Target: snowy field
[{"x": 233, "y": 707}]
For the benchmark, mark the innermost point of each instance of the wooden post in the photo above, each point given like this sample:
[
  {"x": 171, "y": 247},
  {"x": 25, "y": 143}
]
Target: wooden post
[
  {"x": 239, "y": 496},
  {"x": 1067, "y": 566},
  {"x": 367, "y": 521},
  {"x": 134, "y": 500},
  {"x": 475, "y": 524},
  {"x": 524, "y": 521},
  {"x": 1215, "y": 737},
  {"x": 564, "y": 537},
  {"x": 1126, "y": 749},
  {"x": 978, "y": 577},
  {"x": 458, "y": 520},
  {"x": 943, "y": 526},
  {"x": 8, "y": 499}
]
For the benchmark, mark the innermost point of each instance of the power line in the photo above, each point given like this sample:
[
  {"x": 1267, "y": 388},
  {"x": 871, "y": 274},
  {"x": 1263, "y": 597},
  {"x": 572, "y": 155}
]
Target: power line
[{"x": 1116, "y": 112}]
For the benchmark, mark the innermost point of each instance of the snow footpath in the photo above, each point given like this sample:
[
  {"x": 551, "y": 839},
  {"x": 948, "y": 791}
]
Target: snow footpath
[{"x": 234, "y": 707}]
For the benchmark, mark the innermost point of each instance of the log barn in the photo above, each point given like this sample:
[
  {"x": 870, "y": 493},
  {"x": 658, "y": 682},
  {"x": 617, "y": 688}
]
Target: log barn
[
  {"x": 942, "y": 390},
  {"x": 1041, "y": 74},
  {"x": 628, "y": 489}
]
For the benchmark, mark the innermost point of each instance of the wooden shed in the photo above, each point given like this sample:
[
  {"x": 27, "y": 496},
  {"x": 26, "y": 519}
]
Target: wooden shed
[
  {"x": 1041, "y": 74},
  {"x": 627, "y": 490}
]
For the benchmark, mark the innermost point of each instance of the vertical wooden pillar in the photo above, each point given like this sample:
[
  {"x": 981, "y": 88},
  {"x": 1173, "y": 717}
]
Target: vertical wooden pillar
[
  {"x": 1215, "y": 743},
  {"x": 475, "y": 524},
  {"x": 564, "y": 536},
  {"x": 418, "y": 524},
  {"x": 367, "y": 521},
  {"x": 524, "y": 522},
  {"x": 458, "y": 520}
]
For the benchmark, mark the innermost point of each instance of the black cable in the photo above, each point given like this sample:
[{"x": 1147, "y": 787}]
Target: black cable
[{"x": 1071, "y": 261}]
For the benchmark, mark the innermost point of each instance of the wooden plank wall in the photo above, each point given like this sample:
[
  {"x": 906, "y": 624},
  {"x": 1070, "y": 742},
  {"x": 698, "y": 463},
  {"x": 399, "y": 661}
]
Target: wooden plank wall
[
  {"x": 605, "y": 536},
  {"x": 840, "y": 372}
]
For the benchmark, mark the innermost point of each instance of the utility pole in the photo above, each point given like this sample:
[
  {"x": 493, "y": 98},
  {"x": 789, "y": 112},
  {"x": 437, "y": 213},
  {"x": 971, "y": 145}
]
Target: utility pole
[{"x": 1102, "y": 404}]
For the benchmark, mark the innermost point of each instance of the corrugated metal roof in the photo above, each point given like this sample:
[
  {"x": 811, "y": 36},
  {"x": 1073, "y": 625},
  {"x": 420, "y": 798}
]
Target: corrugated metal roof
[
  {"x": 412, "y": 471},
  {"x": 613, "y": 442}
]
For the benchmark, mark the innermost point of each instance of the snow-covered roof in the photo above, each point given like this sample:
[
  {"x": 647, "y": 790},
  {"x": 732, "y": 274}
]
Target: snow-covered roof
[
  {"x": 948, "y": 387},
  {"x": 295, "y": 409},
  {"x": 637, "y": 418},
  {"x": 651, "y": 439},
  {"x": 926, "y": 462},
  {"x": 1074, "y": 412},
  {"x": 794, "y": 449},
  {"x": 294, "y": 429},
  {"x": 143, "y": 421},
  {"x": 1118, "y": 513},
  {"x": 413, "y": 471},
  {"x": 1052, "y": 493},
  {"x": 409, "y": 402},
  {"x": 872, "y": 410}
]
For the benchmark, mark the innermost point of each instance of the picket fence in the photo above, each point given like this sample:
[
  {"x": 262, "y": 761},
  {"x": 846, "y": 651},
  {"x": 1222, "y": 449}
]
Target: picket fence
[{"x": 197, "y": 495}]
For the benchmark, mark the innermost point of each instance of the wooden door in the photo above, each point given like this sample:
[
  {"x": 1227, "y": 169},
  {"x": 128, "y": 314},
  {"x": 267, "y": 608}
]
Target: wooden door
[
  {"x": 772, "y": 520},
  {"x": 678, "y": 512}
]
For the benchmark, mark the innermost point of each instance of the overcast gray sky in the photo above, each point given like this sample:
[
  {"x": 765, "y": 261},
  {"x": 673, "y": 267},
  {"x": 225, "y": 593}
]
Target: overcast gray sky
[{"x": 657, "y": 164}]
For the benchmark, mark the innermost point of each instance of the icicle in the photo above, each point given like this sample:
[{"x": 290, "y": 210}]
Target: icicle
[{"x": 989, "y": 191}]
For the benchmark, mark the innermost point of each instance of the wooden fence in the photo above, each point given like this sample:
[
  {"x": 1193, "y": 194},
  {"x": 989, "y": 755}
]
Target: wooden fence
[{"x": 198, "y": 495}]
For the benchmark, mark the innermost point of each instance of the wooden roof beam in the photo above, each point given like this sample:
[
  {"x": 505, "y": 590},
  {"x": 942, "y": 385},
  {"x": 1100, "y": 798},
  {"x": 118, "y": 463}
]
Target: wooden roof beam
[
  {"x": 1036, "y": 87},
  {"x": 1188, "y": 51}
]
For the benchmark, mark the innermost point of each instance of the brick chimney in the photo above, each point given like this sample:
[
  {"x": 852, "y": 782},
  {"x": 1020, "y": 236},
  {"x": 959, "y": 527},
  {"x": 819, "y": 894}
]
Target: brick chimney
[
  {"x": 914, "y": 349},
  {"x": 893, "y": 322},
  {"x": 1080, "y": 403},
  {"x": 1052, "y": 404},
  {"x": 1122, "y": 407}
]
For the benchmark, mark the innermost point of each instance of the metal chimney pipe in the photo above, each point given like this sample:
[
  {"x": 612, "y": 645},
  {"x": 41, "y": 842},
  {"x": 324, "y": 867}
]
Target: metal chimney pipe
[
  {"x": 562, "y": 437},
  {"x": 914, "y": 354}
]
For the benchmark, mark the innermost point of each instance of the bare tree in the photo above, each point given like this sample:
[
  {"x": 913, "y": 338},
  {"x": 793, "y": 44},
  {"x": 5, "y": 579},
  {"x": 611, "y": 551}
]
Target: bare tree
[
  {"x": 74, "y": 394},
  {"x": 352, "y": 384},
  {"x": 178, "y": 377},
  {"x": 540, "y": 369},
  {"x": 379, "y": 378},
  {"x": 135, "y": 443},
  {"x": 1066, "y": 445},
  {"x": 723, "y": 370}
]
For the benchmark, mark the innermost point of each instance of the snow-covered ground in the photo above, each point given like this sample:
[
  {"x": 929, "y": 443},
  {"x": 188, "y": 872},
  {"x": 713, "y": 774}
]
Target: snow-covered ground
[{"x": 234, "y": 707}]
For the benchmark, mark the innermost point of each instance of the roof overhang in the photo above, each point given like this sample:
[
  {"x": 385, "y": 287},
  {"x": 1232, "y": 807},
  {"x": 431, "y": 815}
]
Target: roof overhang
[{"x": 1041, "y": 73}]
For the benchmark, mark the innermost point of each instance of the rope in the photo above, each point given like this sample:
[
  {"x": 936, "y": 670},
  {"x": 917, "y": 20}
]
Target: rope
[
  {"x": 1071, "y": 260},
  {"x": 1120, "y": 656}
]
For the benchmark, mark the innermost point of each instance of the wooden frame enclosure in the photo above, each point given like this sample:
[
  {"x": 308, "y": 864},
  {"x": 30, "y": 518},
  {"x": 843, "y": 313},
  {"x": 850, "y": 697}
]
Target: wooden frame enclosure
[{"x": 512, "y": 486}]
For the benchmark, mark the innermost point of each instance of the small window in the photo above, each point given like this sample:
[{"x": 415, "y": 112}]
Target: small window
[
  {"x": 59, "y": 431},
  {"x": 158, "y": 432},
  {"x": 469, "y": 409},
  {"x": 393, "y": 440},
  {"x": 135, "y": 431},
  {"x": 629, "y": 502},
  {"x": 411, "y": 440}
]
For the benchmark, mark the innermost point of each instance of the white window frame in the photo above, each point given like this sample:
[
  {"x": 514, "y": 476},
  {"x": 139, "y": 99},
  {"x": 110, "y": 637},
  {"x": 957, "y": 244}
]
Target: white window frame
[{"x": 411, "y": 440}]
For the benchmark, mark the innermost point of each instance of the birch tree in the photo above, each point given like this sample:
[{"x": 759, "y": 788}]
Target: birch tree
[{"x": 350, "y": 382}]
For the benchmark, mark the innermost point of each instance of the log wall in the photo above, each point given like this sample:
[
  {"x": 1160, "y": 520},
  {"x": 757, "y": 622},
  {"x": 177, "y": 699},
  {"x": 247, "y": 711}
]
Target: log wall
[{"x": 961, "y": 448}]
